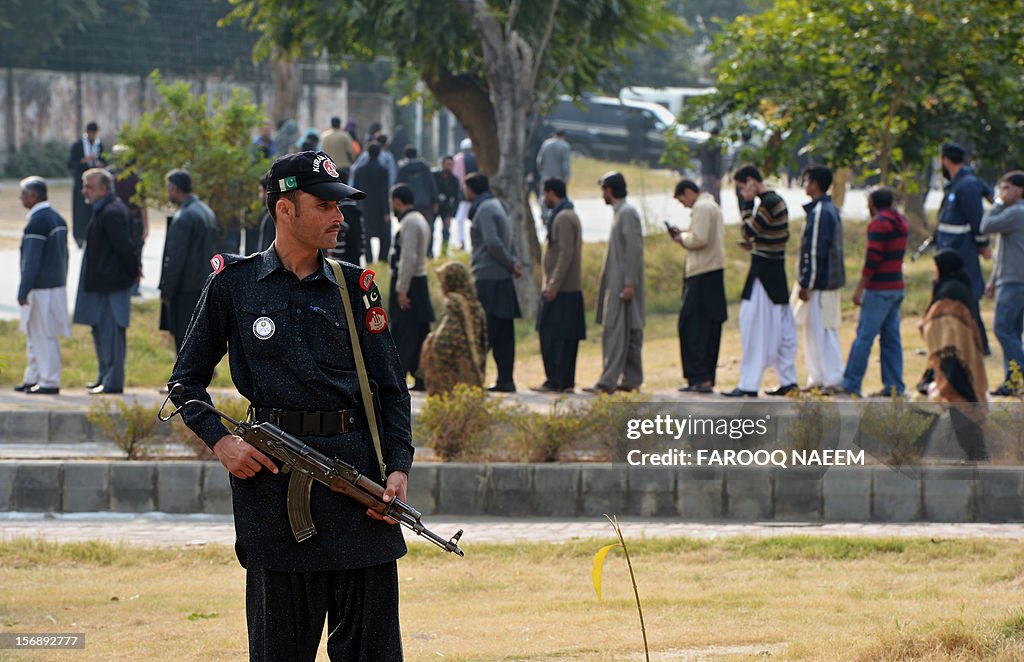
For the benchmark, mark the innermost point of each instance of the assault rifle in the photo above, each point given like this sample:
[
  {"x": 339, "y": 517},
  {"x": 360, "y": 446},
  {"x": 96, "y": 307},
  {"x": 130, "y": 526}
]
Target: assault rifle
[
  {"x": 306, "y": 464},
  {"x": 926, "y": 245}
]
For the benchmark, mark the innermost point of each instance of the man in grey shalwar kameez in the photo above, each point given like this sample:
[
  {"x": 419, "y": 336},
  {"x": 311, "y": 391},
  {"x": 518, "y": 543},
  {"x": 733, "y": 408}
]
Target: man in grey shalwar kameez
[
  {"x": 110, "y": 267},
  {"x": 620, "y": 299}
]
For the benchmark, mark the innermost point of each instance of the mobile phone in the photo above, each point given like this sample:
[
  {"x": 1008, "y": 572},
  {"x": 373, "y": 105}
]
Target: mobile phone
[{"x": 671, "y": 230}]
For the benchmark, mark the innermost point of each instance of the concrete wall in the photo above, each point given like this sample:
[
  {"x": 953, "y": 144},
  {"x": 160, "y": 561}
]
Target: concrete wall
[
  {"x": 847, "y": 494},
  {"x": 38, "y": 105}
]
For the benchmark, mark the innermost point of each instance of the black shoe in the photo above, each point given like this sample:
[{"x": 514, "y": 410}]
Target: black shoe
[
  {"x": 502, "y": 388},
  {"x": 1005, "y": 390},
  {"x": 23, "y": 388},
  {"x": 43, "y": 390},
  {"x": 92, "y": 385},
  {"x": 545, "y": 388},
  {"x": 597, "y": 388},
  {"x": 739, "y": 393},
  {"x": 622, "y": 388},
  {"x": 784, "y": 390},
  {"x": 99, "y": 390}
]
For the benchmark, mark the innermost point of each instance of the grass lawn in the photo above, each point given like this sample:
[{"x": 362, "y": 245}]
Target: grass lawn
[{"x": 792, "y": 598}]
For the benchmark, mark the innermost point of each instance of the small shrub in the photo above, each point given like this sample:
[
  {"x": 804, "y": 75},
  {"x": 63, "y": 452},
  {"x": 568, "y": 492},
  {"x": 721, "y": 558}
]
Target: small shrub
[
  {"x": 130, "y": 426},
  {"x": 897, "y": 427},
  {"x": 548, "y": 438},
  {"x": 1006, "y": 422},
  {"x": 48, "y": 159},
  {"x": 815, "y": 418},
  {"x": 467, "y": 424}
]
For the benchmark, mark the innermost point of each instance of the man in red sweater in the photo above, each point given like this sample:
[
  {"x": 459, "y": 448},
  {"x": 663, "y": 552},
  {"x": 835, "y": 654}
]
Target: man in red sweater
[{"x": 879, "y": 295}]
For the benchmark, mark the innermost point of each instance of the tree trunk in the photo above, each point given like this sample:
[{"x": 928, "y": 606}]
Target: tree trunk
[
  {"x": 508, "y": 62},
  {"x": 468, "y": 100},
  {"x": 287, "y": 80},
  {"x": 913, "y": 204}
]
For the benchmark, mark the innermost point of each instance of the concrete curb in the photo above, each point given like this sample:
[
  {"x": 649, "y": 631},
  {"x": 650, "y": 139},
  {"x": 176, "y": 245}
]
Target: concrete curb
[{"x": 745, "y": 494}]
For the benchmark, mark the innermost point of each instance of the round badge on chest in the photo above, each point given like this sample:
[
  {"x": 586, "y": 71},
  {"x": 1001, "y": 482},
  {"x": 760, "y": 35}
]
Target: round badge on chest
[{"x": 263, "y": 328}]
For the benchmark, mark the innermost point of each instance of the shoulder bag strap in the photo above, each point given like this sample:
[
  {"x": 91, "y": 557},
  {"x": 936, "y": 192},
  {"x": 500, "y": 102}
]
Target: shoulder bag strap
[{"x": 364, "y": 382}]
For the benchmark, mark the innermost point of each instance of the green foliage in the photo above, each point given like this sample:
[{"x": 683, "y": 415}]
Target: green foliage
[
  {"x": 207, "y": 137},
  {"x": 469, "y": 425},
  {"x": 131, "y": 426},
  {"x": 814, "y": 417},
  {"x": 36, "y": 25},
  {"x": 879, "y": 83},
  {"x": 49, "y": 159},
  {"x": 896, "y": 426},
  {"x": 466, "y": 424}
]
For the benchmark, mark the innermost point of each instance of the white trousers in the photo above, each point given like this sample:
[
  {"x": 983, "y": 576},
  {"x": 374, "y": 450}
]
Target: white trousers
[
  {"x": 461, "y": 216},
  {"x": 43, "y": 321},
  {"x": 822, "y": 352},
  {"x": 768, "y": 336}
]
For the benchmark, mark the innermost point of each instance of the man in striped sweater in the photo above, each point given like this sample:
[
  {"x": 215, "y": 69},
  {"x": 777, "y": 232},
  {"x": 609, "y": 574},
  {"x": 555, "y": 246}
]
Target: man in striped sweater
[
  {"x": 879, "y": 295},
  {"x": 767, "y": 326}
]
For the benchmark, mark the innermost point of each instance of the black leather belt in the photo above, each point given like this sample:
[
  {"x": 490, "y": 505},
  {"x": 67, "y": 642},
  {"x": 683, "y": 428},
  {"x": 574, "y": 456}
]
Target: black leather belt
[{"x": 313, "y": 422}]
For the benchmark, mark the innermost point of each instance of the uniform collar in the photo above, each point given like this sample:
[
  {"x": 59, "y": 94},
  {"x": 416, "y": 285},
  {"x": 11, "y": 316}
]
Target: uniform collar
[{"x": 270, "y": 262}]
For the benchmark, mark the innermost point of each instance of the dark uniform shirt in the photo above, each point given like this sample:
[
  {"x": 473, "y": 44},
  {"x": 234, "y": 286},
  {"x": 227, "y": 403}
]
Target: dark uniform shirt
[{"x": 288, "y": 346}]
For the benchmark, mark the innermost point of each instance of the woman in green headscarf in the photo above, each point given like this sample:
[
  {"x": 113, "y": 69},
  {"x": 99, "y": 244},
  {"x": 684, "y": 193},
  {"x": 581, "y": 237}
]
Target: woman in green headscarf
[{"x": 456, "y": 351}]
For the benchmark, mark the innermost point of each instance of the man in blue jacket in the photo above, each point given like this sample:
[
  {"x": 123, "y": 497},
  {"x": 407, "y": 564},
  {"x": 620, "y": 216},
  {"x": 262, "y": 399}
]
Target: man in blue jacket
[
  {"x": 822, "y": 274},
  {"x": 960, "y": 219},
  {"x": 42, "y": 293}
]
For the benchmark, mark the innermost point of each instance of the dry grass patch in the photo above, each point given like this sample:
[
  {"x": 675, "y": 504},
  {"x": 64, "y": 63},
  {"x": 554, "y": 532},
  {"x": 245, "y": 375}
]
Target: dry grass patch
[{"x": 801, "y": 598}]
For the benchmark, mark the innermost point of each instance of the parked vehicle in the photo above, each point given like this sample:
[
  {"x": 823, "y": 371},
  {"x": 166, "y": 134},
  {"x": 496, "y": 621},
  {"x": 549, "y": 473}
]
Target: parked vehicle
[{"x": 618, "y": 129}]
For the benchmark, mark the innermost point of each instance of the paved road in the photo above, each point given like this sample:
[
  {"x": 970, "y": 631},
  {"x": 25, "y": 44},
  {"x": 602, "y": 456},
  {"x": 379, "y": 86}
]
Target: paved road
[
  {"x": 158, "y": 530},
  {"x": 596, "y": 217}
]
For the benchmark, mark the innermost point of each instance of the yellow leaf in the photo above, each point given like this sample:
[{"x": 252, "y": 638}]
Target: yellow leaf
[{"x": 595, "y": 574}]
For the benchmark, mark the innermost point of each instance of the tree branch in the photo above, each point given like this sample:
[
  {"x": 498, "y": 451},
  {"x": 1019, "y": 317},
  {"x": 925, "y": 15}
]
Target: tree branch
[
  {"x": 513, "y": 11},
  {"x": 538, "y": 56}
]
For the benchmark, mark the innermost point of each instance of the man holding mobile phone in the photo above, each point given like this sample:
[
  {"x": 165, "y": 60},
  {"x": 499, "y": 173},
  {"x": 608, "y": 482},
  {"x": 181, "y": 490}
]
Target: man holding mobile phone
[{"x": 704, "y": 307}]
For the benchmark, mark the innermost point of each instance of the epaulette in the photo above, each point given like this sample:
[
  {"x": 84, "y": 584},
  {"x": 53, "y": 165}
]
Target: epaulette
[{"x": 220, "y": 261}]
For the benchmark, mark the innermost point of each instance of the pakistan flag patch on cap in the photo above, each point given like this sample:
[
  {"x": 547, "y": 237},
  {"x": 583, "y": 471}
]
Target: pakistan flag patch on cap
[{"x": 288, "y": 184}]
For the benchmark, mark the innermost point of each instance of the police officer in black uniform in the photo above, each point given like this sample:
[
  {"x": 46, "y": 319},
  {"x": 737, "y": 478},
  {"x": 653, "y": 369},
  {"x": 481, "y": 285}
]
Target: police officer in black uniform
[{"x": 279, "y": 316}]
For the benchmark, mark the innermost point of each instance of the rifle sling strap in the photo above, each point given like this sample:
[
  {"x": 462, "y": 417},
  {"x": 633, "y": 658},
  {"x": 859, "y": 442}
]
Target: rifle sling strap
[{"x": 364, "y": 381}]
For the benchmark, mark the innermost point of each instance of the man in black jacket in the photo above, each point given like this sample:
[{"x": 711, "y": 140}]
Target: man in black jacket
[
  {"x": 415, "y": 172},
  {"x": 191, "y": 242},
  {"x": 110, "y": 266},
  {"x": 85, "y": 153}
]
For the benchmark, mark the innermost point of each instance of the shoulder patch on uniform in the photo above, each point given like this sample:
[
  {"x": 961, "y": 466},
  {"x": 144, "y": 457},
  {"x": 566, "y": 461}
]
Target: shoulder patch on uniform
[
  {"x": 376, "y": 320},
  {"x": 222, "y": 260},
  {"x": 371, "y": 298},
  {"x": 366, "y": 279}
]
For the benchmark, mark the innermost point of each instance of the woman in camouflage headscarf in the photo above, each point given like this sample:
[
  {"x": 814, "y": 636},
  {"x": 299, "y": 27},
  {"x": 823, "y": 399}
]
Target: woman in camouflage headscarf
[{"x": 456, "y": 351}]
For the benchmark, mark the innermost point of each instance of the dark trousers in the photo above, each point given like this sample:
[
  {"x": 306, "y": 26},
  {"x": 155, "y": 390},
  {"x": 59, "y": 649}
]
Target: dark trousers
[
  {"x": 699, "y": 340},
  {"x": 285, "y": 614},
  {"x": 179, "y": 314},
  {"x": 559, "y": 358},
  {"x": 501, "y": 336},
  {"x": 385, "y": 245},
  {"x": 111, "y": 346}
]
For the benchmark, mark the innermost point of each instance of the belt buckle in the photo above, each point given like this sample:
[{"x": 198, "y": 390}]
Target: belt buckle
[{"x": 311, "y": 422}]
